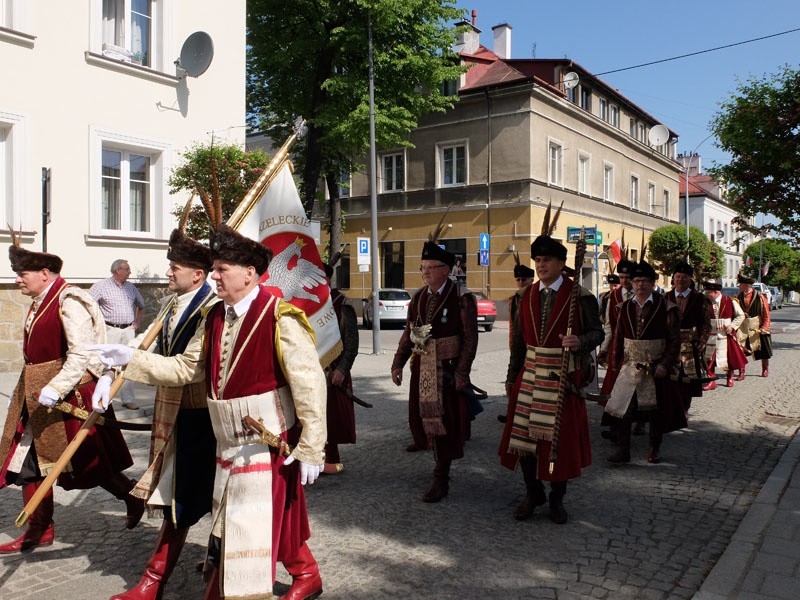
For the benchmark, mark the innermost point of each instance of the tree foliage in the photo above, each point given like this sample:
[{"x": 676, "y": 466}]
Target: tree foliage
[
  {"x": 759, "y": 125},
  {"x": 309, "y": 59},
  {"x": 667, "y": 247},
  {"x": 236, "y": 171},
  {"x": 783, "y": 263}
]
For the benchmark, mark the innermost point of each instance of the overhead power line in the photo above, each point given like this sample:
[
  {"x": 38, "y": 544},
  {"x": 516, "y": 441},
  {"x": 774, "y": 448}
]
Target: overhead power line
[{"x": 663, "y": 60}]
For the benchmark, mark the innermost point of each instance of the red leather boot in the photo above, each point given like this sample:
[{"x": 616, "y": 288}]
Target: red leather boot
[
  {"x": 168, "y": 547},
  {"x": 306, "y": 582},
  {"x": 711, "y": 385},
  {"x": 41, "y": 530},
  {"x": 212, "y": 587},
  {"x": 729, "y": 382},
  {"x": 741, "y": 375}
]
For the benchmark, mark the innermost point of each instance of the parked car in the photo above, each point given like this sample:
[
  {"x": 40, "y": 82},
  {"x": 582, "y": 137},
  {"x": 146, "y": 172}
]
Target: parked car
[
  {"x": 761, "y": 287},
  {"x": 777, "y": 298},
  {"x": 487, "y": 311},
  {"x": 392, "y": 306}
]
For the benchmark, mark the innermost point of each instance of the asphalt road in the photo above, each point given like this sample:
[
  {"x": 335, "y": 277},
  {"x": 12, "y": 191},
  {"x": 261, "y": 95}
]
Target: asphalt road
[{"x": 635, "y": 531}]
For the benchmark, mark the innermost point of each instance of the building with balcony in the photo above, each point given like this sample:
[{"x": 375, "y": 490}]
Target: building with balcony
[
  {"x": 93, "y": 116},
  {"x": 524, "y": 133}
]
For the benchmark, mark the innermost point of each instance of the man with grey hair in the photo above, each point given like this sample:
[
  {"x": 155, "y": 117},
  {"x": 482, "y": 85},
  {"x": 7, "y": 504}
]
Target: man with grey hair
[{"x": 123, "y": 307}]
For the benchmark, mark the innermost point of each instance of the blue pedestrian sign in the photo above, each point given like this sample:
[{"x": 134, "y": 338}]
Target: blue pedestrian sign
[
  {"x": 483, "y": 257},
  {"x": 363, "y": 251},
  {"x": 484, "y": 242}
]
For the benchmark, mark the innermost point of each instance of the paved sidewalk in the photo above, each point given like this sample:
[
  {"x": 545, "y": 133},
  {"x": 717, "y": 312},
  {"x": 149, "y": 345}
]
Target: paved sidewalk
[{"x": 716, "y": 519}]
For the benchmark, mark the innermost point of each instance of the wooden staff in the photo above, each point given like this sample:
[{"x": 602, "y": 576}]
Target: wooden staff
[
  {"x": 580, "y": 251},
  {"x": 73, "y": 446}
]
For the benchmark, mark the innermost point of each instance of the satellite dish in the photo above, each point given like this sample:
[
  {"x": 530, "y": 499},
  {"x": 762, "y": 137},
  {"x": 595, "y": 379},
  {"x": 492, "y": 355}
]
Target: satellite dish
[
  {"x": 196, "y": 54},
  {"x": 570, "y": 80},
  {"x": 658, "y": 135}
]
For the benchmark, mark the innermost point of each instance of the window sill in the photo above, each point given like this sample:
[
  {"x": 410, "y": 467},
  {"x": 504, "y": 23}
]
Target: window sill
[
  {"x": 120, "y": 66},
  {"x": 116, "y": 240},
  {"x": 17, "y": 37}
]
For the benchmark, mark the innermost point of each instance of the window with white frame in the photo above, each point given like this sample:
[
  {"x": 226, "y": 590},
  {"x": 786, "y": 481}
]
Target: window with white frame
[
  {"x": 452, "y": 165},
  {"x": 128, "y": 28},
  {"x": 665, "y": 201},
  {"x": 127, "y": 195},
  {"x": 5, "y": 170},
  {"x": 651, "y": 198},
  {"x": 12, "y": 168},
  {"x": 634, "y": 192},
  {"x": 7, "y": 14},
  {"x": 613, "y": 113},
  {"x": 633, "y": 128},
  {"x": 583, "y": 173},
  {"x": 555, "y": 156},
  {"x": 604, "y": 109},
  {"x": 608, "y": 183},
  {"x": 642, "y": 133},
  {"x": 393, "y": 172},
  {"x": 586, "y": 99},
  {"x": 127, "y": 191},
  {"x": 14, "y": 14}
]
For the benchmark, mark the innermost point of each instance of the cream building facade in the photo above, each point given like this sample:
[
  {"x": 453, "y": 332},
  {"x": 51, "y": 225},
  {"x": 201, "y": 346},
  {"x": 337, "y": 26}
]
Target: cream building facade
[
  {"x": 94, "y": 113},
  {"x": 517, "y": 140}
]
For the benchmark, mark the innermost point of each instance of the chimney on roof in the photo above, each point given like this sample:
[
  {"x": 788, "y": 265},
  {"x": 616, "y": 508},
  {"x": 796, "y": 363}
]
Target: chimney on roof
[
  {"x": 474, "y": 18},
  {"x": 469, "y": 39},
  {"x": 502, "y": 40},
  {"x": 693, "y": 161}
]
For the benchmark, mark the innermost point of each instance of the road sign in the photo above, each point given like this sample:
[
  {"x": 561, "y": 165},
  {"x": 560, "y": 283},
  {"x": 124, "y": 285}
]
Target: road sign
[
  {"x": 363, "y": 251},
  {"x": 483, "y": 257},
  {"x": 484, "y": 242},
  {"x": 593, "y": 236}
]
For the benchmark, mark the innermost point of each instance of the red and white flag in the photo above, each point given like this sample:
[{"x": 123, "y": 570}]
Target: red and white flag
[
  {"x": 296, "y": 272},
  {"x": 765, "y": 269},
  {"x": 748, "y": 261},
  {"x": 615, "y": 250}
]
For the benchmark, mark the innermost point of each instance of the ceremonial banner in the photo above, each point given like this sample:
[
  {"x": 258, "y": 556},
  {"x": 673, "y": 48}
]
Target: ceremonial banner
[
  {"x": 615, "y": 251},
  {"x": 295, "y": 273}
]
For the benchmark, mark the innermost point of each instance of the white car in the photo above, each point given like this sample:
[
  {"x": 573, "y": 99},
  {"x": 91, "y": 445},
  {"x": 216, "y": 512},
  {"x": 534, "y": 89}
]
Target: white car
[
  {"x": 764, "y": 290},
  {"x": 392, "y": 306}
]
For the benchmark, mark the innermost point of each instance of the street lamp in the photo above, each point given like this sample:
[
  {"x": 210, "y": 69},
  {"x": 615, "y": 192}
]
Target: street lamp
[{"x": 687, "y": 160}]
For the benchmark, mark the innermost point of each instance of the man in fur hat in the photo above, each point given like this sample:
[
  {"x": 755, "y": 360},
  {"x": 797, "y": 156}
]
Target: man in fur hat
[
  {"x": 441, "y": 333},
  {"x": 180, "y": 478},
  {"x": 341, "y": 416},
  {"x": 258, "y": 358},
  {"x": 723, "y": 350},
  {"x": 647, "y": 348},
  {"x": 541, "y": 334},
  {"x": 695, "y": 312},
  {"x": 61, "y": 321},
  {"x": 754, "y": 336}
]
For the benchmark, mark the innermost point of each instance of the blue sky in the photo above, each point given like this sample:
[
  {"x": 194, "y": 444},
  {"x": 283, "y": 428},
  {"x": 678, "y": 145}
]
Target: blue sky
[{"x": 683, "y": 94}]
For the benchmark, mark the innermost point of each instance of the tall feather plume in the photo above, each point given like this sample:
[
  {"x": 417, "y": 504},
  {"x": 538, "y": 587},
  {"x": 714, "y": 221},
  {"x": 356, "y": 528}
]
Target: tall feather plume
[
  {"x": 215, "y": 188},
  {"x": 625, "y": 249},
  {"x": 516, "y": 258},
  {"x": 643, "y": 253},
  {"x": 336, "y": 256},
  {"x": 549, "y": 227},
  {"x": 187, "y": 210},
  {"x": 16, "y": 236},
  {"x": 434, "y": 235}
]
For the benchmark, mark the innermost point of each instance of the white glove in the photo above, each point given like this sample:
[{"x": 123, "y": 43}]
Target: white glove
[
  {"x": 48, "y": 397},
  {"x": 101, "y": 397},
  {"x": 113, "y": 355},
  {"x": 308, "y": 473}
]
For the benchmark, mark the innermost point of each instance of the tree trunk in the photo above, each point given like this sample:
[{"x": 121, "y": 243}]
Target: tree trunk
[{"x": 312, "y": 169}]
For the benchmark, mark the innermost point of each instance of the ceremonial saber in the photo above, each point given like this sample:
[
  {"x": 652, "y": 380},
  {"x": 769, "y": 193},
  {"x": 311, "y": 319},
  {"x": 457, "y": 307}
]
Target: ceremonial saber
[
  {"x": 73, "y": 446},
  {"x": 580, "y": 251}
]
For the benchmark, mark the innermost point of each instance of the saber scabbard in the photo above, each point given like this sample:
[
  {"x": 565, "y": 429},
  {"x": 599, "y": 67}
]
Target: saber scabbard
[{"x": 267, "y": 437}]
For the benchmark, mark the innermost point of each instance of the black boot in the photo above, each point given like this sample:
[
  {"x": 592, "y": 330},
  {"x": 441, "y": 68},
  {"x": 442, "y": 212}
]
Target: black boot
[
  {"x": 557, "y": 512},
  {"x": 535, "y": 494},
  {"x": 623, "y": 453},
  {"x": 439, "y": 486},
  {"x": 120, "y": 486}
]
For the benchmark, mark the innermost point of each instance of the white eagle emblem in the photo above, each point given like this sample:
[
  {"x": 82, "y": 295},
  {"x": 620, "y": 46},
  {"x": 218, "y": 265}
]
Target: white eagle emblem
[{"x": 294, "y": 282}]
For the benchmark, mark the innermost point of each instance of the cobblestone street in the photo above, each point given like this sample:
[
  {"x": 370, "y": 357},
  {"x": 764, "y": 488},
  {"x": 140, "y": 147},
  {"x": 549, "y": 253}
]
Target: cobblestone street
[{"x": 635, "y": 531}]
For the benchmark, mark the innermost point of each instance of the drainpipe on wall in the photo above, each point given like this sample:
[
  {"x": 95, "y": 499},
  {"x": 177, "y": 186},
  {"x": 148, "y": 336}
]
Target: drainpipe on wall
[
  {"x": 45, "y": 205},
  {"x": 489, "y": 189}
]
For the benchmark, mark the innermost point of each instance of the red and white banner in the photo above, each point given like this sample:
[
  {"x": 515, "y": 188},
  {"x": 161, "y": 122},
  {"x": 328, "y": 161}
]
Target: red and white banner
[
  {"x": 615, "y": 250},
  {"x": 748, "y": 261},
  {"x": 765, "y": 268},
  {"x": 296, "y": 272}
]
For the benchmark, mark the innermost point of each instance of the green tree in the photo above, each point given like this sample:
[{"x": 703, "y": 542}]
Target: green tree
[
  {"x": 309, "y": 59},
  {"x": 759, "y": 125},
  {"x": 236, "y": 171},
  {"x": 667, "y": 247},
  {"x": 783, "y": 263}
]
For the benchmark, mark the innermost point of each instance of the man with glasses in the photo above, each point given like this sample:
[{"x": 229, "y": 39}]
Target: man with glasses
[{"x": 442, "y": 333}]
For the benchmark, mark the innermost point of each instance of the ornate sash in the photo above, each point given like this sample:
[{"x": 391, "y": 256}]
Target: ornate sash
[
  {"x": 242, "y": 504},
  {"x": 635, "y": 377},
  {"x": 534, "y": 417},
  {"x": 431, "y": 405},
  {"x": 687, "y": 353},
  {"x": 749, "y": 332}
]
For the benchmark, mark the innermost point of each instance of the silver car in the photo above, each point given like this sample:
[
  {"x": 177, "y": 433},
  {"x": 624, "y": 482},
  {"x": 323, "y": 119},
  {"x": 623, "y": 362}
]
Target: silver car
[
  {"x": 392, "y": 306},
  {"x": 777, "y": 298}
]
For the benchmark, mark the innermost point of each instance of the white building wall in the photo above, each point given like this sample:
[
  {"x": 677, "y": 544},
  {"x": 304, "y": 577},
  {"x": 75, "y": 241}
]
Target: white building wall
[
  {"x": 63, "y": 100},
  {"x": 711, "y": 216}
]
